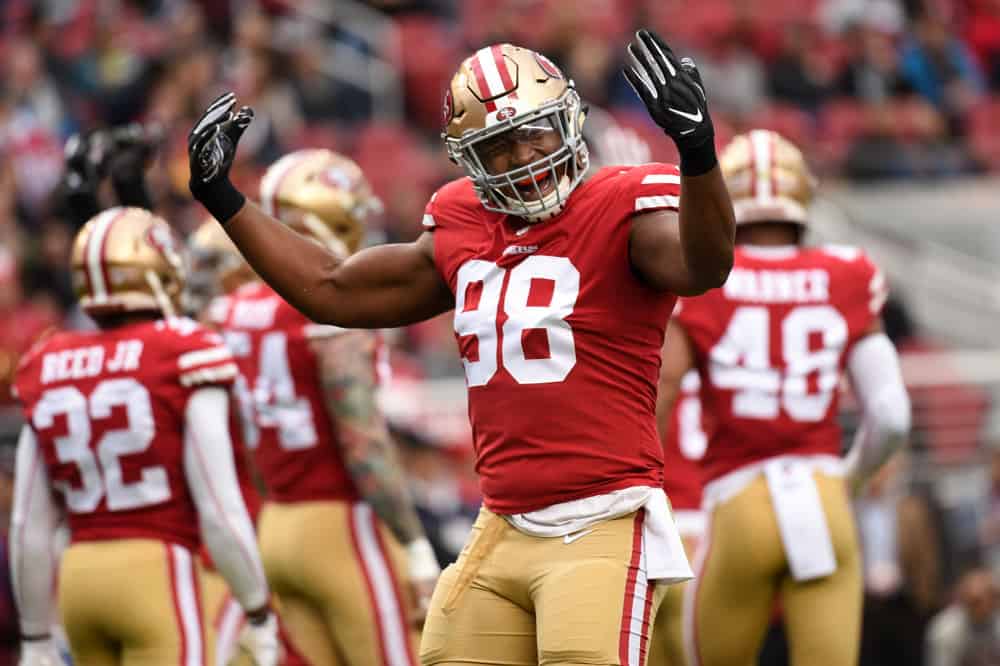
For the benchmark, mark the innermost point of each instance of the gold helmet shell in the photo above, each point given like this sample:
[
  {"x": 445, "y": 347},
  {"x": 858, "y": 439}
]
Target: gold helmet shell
[
  {"x": 768, "y": 178},
  {"x": 127, "y": 260},
  {"x": 321, "y": 194},
  {"x": 499, "y": 89}
]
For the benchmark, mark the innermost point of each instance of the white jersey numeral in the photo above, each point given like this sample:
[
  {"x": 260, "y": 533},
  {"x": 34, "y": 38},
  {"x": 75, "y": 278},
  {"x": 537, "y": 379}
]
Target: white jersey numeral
[
  {"x": 101, "y": 475},
  {"x": 479, "y": 318},
  {"x": 275, "y": 400},
  {"x": 741, "y": 361}
]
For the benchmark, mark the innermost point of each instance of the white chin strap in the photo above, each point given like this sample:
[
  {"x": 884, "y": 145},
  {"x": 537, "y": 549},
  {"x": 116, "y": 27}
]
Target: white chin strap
[{"x": 548, "y": 206}]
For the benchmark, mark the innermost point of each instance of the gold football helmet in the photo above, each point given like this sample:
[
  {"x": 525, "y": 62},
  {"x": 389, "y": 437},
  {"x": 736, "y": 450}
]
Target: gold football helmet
[
  {"x": 320, "y": 194},
  {"x": 768, "y": 178},
  {"x": 215, "y": 266},
  {"x": 127, "y": 260},
  {"x": 508, "y": 91}
]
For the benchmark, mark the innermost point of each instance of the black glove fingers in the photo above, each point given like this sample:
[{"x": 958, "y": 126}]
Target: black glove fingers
[
  {"x": 663, "y": 52},
  {"x": 656, "y": 72},
  {"x": 219, "y": 110},
  {"x": 688, "y": 66},
  {"x": 640, "y": 79},
  {"x": 642, "y": 87}
]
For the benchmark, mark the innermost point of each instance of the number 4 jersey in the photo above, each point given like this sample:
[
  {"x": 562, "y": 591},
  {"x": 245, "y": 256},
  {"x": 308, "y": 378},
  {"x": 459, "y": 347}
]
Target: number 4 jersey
[
  {"x": 108, "y": 408},
  {"x": 772, "y": 344},
  {"x": 559, "y": 337}
]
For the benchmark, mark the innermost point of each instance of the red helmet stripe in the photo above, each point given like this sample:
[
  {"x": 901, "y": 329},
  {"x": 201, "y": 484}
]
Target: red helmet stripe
[
  {"x": 484, "y": 88},
  {"x": 97, "y": 270},
  {"x": 501, "y": 64}
]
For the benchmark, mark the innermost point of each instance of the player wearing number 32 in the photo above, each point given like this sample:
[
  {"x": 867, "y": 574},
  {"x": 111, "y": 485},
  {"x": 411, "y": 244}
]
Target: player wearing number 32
[
  {"x": 561, "y": 291},
  {"x": 128, "y": 425},
  {"x": 771, "y": 346}
]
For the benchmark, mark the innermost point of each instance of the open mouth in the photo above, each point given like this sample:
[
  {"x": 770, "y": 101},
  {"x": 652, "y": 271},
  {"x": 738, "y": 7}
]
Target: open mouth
[{"x": 530, "y": 187}]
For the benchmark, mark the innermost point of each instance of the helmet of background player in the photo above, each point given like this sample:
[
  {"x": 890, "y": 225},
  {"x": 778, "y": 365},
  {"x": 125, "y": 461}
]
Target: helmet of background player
[
  {"x": 215, "y": 265},
  {"x": 127, "y": 260},
  {"x": 768, "y": 178},
  {"x": 505, "y": 95},
  {"x": 320, "y": 194}
]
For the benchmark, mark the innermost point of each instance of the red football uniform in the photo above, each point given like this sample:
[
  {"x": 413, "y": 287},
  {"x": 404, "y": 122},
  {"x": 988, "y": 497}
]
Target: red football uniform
[
  {"x": 108, "y": 410},
  {"x": 772, "y": 344},
  {"x": 296, "y": 449},
  {"x": 683, "y": 448},
  {"x": 559, "y": 337}
]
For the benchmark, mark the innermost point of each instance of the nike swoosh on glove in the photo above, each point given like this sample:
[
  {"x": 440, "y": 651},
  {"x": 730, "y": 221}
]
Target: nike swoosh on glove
[{"x": 674, "y": 96}]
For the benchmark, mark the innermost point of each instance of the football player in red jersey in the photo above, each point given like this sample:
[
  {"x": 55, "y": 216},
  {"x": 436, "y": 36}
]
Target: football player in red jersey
[
  {"x": 127, "y": 436},
  {"x": 771, "y": 347},
  {"x": 336, "y": 490},
  {"x": 561, "y": 291}
]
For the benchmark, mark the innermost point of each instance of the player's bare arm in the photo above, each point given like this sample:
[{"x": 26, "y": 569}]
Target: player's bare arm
[
  {"x": 347, "y": 371},
  {"x": 690, "y": 252},
  {"x": 678, "y": 358},
  {"x": 387, "y": 286}
]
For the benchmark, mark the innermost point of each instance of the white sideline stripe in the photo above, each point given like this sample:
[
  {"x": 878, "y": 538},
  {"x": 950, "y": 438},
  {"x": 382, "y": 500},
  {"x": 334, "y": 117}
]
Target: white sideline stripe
[
  {"x": 187, "y": 601},
  {"x": 662, "y": 179},
  {"x": 394, "y": 635},
  {"x": 490, "y": 71},
  {"x": 638, "y": 609},
  {"x": 428, "y": 221},
  {"x": 203, "y": 357},
  {"x": 94, "y": 246},
  {"x": 658, "y": 201},
  {"x": 227, "y": 632},
  {"x": 761, "y": 142}
]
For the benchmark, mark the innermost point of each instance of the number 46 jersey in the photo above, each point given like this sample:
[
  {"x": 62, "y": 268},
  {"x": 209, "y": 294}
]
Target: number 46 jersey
[
  {"x": 772, "y": 344},
  {"x": 559, "y": 337}
]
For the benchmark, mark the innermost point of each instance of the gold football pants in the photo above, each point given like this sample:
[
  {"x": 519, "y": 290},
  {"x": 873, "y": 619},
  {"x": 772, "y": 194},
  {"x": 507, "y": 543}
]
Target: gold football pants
[
  {"x": 133, "y": 602},
  {"x": 518, "y": 600},
  {"x": 337, "y": 573},
  {"x": 742, "y": 568}
]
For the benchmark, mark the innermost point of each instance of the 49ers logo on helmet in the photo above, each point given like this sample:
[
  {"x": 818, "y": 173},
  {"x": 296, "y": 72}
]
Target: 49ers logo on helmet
[
  {"x": 506, "y": 113},
  {"x": 547, "y": 66},
  {"x": 447, "y": 108}
]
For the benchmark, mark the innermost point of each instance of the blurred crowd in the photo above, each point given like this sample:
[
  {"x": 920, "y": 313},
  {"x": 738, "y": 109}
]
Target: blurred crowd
[{"x": 871, "y": 89}]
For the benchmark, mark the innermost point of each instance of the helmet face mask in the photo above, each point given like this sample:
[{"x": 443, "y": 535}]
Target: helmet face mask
[{"x": 540, "y": 108}]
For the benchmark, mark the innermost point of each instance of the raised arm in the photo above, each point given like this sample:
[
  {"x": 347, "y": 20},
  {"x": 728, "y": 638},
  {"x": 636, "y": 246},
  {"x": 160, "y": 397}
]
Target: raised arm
[
  {"x": 690, "y": 252},
  {"x": 385, "y": 286}
]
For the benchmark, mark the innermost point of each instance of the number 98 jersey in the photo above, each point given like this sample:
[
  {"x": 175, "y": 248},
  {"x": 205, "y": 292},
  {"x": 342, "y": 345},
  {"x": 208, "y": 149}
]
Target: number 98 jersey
[
  {"x": 108, "y": 408},
  {"x": 559, "y": 337},
  {"x": 772, "y": 344}
]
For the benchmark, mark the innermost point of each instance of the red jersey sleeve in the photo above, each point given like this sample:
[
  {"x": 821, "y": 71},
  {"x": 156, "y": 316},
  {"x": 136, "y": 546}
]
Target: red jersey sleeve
[
  {"x": 861, "y": 292},
  {"x": 654, "y": 186},
  {"x": 203, "y": 359}
]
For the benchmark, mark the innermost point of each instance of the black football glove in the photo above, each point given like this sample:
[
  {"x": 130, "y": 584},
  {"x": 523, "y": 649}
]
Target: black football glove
[
  {"x": 211, "y": 151},
  {"x": 81, "y": 178},
  {"x": 130, "y": 151},
  {"x": 673, "y": 94}
]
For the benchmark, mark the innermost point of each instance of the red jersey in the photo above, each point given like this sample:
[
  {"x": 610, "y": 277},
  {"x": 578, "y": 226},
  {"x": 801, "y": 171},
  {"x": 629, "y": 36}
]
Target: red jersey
[
  {"x": 296, "y": 448},
  {"x": 108, "y": 408},
  {"x": 559, "y": 337},
  {"x": 771, "y": 345},
  {"x": 683, "y": 448}
]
